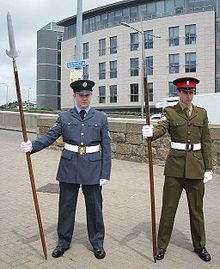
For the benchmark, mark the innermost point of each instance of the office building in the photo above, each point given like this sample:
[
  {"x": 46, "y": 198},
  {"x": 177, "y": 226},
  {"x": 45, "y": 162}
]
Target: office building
[
  {"x": 49, "y": 66},
  {"x": 173, "y": 38}
]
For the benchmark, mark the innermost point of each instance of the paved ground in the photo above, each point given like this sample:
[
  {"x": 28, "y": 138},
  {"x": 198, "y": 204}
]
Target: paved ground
[{"x": 126, "y": 211}]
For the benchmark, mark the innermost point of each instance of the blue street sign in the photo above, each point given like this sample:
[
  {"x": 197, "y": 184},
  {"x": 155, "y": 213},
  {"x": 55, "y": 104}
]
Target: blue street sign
[{"x": 76, "y": 64}]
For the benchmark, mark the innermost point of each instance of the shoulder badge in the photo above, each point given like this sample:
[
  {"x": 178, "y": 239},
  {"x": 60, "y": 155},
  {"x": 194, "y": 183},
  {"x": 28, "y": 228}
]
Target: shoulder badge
[{"x": 163, "y": 116}]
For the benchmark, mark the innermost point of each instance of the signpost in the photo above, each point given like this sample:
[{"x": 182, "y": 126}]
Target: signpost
[{"x": 75, "y": 64}]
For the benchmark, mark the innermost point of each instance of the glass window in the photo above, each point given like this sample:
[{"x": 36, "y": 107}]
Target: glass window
[
  {"x": 133, "y": 13},
  {"x": 173, "y": 63},
  {"x": 113, "y": 94},
  {"x": 102, "y": 94},
  {"x": 102, "y": 46},
  {"x": 102, "y": 70},
  {"x": 218, "y": 61},
  {"x": 134, "y": 67},
  {"x": 86, "y": 72},
  {"x": 174, "y": 36},
  {"x": 104, "y": 20},
  {"x": 111, "y": 18},
  {"x": 69, "y": 31},
  {"x": 190, "y": 34},
  {"x": 149, "y": 65},
  {"x": 190, "y": 62},
  {"x": 218, "y": 33},
  {"x": 160, "y": 8},
  {"x": 113, "y": 44},
  {"x": 113, "y": 69},
  {"x": 150, "y": 91},
  {"x": 86, "y": 50},
  {"x": 86, "y": 28},
  {"x": 134, "y": 92},
  {"x": 169, "y": 7},
  {"x": 217, "y": 84},
  {"x": 179, "y": 3},
  {"x": 172, "y": 89},
  {"x": 59, "y": 58},
  {"x": 134, "y": 41},
  {"x": 126, "y": 14},
  {"x": 118, "y": 16},
  {"x": 148, "y": 39},
  {"x": 143, "y": 10},
  {"x": 151, "y": 9},
  {"x": 92, "y": 24},
  {"x": 98, "y": 22}
]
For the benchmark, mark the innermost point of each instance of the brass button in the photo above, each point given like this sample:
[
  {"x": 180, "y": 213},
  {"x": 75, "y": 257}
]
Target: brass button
[{"x": 189, "y": 132}]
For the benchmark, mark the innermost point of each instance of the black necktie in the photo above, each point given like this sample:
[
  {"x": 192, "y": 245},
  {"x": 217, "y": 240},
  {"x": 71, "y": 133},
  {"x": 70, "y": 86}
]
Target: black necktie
[{"x": 82, "y": 113}]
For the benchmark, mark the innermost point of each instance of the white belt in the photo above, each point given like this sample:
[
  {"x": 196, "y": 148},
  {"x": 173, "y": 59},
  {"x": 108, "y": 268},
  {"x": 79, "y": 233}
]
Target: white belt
[
  {"x": 185, "y": 146},
  {"x": 82, "y": 149}
]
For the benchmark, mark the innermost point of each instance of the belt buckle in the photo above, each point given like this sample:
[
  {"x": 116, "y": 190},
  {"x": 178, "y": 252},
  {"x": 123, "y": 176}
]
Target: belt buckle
[
  {"x": 189, "y": 147},
  {"x": 82, "y": 150}
]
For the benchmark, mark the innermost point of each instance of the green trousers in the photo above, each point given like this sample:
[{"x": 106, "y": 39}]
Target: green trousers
[{"x": 171, "y": 194}]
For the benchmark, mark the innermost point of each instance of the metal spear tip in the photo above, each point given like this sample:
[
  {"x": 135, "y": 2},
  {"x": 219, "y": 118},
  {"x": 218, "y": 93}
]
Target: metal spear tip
[{"x": 12, "y": 53}]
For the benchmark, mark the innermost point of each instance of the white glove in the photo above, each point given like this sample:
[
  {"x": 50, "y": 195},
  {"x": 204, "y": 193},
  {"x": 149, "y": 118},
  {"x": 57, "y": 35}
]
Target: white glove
[
  {"x": 103, "y": 181},
  {"x": 207, "y": 176},
  {"x": 26, "y": 146},
  {"x": 147, "y": 131}
]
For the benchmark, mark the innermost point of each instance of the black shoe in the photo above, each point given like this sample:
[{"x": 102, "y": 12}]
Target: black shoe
[
  {"x": 99, "y": 253},
  {"x": 160, "y": 253},
  {"x": 58, "y": 252},
  {"x": 203, "y": 254}
]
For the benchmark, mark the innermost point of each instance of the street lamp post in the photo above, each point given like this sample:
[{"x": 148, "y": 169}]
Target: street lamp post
[
  {"x": 142, "y": 64},
  {"x": 143, "y": 68},
  {"x": 28, "y": 100},
  {"x": 6, "y": 98}
]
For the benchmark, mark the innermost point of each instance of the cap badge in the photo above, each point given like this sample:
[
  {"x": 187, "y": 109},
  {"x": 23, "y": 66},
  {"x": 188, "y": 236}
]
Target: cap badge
[
  {"x": 187, "y": 83},
  {"x": 84, "y": 84}
]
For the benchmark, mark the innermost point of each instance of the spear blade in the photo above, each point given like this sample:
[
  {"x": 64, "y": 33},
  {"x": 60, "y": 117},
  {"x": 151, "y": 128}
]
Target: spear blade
[{"x": 12, "y": 53}]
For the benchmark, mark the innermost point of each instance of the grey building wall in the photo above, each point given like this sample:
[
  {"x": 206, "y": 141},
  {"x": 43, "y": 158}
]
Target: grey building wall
[{"x": 48, "y": 66}]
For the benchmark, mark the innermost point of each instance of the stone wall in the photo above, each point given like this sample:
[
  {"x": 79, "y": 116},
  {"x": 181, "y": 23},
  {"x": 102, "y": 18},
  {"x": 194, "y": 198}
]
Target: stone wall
[{"x": 127, "y": 142}]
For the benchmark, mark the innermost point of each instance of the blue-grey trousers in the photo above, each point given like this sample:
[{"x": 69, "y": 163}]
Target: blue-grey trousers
[{"x": 67, "y": 209}]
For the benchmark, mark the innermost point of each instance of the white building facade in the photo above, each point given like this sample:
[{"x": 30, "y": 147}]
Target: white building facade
[{"x": 177, "y": 40}]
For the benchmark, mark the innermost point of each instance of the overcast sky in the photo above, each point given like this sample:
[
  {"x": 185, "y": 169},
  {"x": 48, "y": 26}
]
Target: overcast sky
[{"x": 28, "y": 16}]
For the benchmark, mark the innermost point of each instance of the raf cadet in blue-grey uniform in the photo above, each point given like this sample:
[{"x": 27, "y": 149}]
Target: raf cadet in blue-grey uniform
[{"x": 85, "y": 161}]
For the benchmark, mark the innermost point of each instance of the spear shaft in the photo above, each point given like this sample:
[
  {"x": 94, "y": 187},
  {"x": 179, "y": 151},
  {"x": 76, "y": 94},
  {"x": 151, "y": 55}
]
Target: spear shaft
[
  {"x": 13, "y": 54},
  {"x": 151, "y": 172}
]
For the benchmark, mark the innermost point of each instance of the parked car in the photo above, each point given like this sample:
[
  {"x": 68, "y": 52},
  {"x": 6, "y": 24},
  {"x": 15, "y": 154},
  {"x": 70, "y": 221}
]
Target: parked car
[{"x": 155, "y": 117}]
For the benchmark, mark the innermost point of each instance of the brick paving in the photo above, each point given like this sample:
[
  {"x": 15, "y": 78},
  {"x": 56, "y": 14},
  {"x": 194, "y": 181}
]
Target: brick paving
[{"x": 126, "y": 213}]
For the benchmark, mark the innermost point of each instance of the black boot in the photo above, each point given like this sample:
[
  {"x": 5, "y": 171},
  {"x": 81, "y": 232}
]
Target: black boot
[
  {"x": 203, "y": 254},
  {"x": 160, "y": 253}
]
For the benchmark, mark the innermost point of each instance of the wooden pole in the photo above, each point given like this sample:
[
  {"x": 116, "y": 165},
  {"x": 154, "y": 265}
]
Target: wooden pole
[
  {"x": 151, "y": 173},
  {"x": 29, "y": 163}
]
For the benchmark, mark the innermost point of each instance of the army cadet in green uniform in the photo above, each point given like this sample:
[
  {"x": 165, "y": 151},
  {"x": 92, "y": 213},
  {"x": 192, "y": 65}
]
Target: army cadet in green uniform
[{"x": 188, "y": 165}]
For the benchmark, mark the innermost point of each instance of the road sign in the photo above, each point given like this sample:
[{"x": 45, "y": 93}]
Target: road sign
[
  {"x": 76, "y": 64},
  {"x": 75, "y": 74}
]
